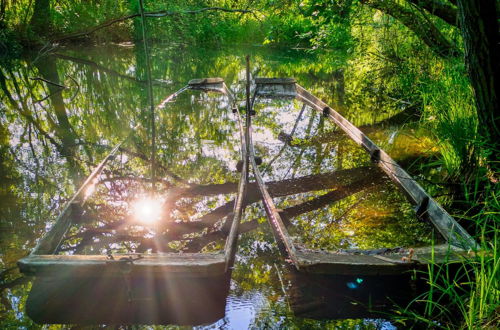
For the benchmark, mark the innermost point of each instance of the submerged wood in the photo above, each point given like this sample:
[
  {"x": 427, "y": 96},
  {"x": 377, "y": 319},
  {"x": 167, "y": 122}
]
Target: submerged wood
[
  {"x": 43, "y": 262},
  {"x": 317, "y": 261},
  {"x": 49, "y": 243},
  {"x": 197, "y": 243},
  {"x": 280, "y": 231},
  {"x": 176, "y": 231},
  {"x": 239, "y": 204}
]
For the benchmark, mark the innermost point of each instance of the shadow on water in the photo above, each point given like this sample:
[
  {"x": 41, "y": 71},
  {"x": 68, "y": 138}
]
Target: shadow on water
[
  {"x": 76, "y": 300},
  {"x": 50, "y": 137},
  {"x": 348, "y": 297},
  {"x": 72, "y": 299}
]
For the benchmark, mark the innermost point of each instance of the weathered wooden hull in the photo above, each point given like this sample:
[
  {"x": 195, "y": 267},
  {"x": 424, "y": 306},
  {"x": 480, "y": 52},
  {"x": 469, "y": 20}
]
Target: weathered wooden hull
[
  {"x": 376, "y": 264},
  {"x": 174, "y": 264}
]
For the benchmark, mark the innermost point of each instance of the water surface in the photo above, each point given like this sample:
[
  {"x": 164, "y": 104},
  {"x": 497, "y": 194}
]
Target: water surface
[{"x": 51, "y": 137}]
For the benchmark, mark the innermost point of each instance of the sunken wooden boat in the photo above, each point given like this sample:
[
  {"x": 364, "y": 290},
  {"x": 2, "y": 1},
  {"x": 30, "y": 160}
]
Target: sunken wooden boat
[
  {"x": 360, "y": 262},
  {"x": 131, "y": 288}
]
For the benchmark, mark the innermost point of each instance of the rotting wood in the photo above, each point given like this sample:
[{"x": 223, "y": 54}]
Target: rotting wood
[
  {"x": 208, "y": 85},
  {"x": 279, "y": 229},
  {"x": 285, "y": 187},
  {"x": 315, "y": 261},
  {"x": 205, "y": 81},
  {"x": 275, "y": 87},
  {"x": 274, "y": 81},
  {"x": 239, "y": 204},
  {"x": 186, "y": 264},
  {"x": 198, "y": 243}
]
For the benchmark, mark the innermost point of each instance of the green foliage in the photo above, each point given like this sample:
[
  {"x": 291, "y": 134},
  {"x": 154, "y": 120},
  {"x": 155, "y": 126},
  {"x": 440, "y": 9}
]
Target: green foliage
[
  {"x": 366, "y": 64},
  {"x": 468, "y": 294},
  {"x": 9, "y": 46},
  {"x": 450, "y": 113},
  {"x": 301, "y": 24}
]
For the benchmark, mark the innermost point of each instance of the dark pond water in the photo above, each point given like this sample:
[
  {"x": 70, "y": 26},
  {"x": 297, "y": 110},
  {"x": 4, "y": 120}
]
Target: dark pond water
[{"x": 51, "y": 138}]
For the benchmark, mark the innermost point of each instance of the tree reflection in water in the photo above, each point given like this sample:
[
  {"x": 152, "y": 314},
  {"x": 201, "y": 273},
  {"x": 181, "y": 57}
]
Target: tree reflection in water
[{"x": 324, "y": 184}]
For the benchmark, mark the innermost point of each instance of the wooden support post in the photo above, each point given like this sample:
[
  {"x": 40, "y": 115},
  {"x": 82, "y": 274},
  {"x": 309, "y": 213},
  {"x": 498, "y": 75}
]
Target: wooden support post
[
  {"x": 375, "y": 155},
  {"x": 421, "y": 208}
]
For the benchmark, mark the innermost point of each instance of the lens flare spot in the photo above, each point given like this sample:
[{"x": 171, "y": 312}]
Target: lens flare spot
[
  {"x": 89, "y": 191},
  {"x": 147, "y": 210}
]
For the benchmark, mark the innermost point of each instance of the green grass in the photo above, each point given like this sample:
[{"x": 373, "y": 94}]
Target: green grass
[
  {"x": 450, "y": 114},
  {"x": 467, "y": 295}
]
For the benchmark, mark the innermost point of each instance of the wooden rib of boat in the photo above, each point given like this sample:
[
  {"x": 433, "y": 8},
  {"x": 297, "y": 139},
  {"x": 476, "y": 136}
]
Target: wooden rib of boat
[
  {"x": 190, "y": 281},
  {"x": 459, "y": 242}
]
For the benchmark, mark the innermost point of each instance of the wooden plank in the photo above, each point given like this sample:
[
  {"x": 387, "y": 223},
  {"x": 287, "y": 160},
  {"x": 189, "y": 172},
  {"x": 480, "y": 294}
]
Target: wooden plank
[
  {"x": 207, "y": 84},
  {"x": 447, "y": 226},
  {"x": 276, "y": 91},
  {"x": 321, "y": 262},
  {"x": 279, "y": 229},
  {"x": 205, "y": 81},
  {"x": 275, "y": 87},
  {"x": 274, "y": 81},
  {"x": 232, "y": 238},
  {"x": 330, "y": 263},
  {"x": 183, "y": 264}
]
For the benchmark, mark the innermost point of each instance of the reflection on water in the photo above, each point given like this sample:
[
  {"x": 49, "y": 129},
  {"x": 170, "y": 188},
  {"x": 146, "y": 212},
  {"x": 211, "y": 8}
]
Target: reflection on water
[{"x": 60, "y": 114}]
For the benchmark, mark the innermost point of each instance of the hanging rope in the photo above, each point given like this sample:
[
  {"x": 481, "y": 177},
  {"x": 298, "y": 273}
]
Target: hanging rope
[{"x": 150, "y": 98}]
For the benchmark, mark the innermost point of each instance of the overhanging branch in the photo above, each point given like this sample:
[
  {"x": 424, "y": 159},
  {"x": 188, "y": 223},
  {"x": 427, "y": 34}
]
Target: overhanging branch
[{"x": 423, "y": 29}]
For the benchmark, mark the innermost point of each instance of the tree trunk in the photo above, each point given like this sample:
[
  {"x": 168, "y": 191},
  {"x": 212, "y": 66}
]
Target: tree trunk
[
  {"x": 3, "y": 4},
  {"x": 442, "y": 9},
  {"x": 40, "y": 21},
  {"x": 478, "y": 22},
  {"x": 64, "y": 130},
  {"x": 422, "y": 27}
]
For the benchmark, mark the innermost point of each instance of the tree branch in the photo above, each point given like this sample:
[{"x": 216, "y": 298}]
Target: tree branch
[
  {"x": 424, "y": 29},
  {"x": 444, "y": 10}
]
